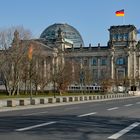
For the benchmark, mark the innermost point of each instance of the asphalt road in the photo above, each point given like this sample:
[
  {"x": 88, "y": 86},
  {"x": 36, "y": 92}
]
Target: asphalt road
[{"x": 116, "y": 119}]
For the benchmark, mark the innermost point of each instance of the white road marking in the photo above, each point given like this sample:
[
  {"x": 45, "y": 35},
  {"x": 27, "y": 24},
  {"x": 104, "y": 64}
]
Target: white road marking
[
  {"x": 34, "y": 126},
  {"x": 122, "y": 132},
  {"x": 83, "y": 115},
  {"x": 128, "y": 105},
  {"x": 109, "y": 109},
  {"x": 35, "y": 113},
  {"x": 137, "y": 102}
]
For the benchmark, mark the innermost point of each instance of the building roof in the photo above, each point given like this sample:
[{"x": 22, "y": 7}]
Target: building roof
[{"x": 69, "y": 32}]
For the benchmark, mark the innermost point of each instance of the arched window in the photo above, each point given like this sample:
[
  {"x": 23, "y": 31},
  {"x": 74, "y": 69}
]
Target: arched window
[{"x": 120, "y": 61}]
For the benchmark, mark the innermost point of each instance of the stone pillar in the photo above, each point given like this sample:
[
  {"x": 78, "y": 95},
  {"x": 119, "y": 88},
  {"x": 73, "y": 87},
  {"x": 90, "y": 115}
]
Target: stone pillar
[
  {"x": 53, "y": 64},
  {"x": 57, "y": 63},
  {"x": 98, "y": 67},
  {"x": 128, "y": 65},
  {"x": 135, "y": 65},
  {"x": 63, "y": 60},
  {"x": 112, "y": 67},
  {"x": 73, "y": 71},
  {"x": 45, "y": 68},
  {"x": 132, "y": 65},
  {"x": 139, "y": 65},
  {"x": 48, "y": 69},
  {"x": 81, "y": 63},
  {"x": 90, "y": 62}
]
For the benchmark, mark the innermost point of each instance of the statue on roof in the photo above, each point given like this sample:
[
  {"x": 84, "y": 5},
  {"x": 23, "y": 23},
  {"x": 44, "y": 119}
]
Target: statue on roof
[{"x": 60, "y": 33}]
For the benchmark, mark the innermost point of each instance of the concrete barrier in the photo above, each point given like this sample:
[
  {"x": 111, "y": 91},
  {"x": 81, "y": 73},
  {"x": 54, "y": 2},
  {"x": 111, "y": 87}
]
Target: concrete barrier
[
  {"x": 11, "y": 103},
  {"x": 51, "y": 100},
  {"x": 59, "y": 100},
  {"x": 76, "y": 98},
  {"x": 35, "y": 101},
  {"x": 81, "y": 98},
  {"x": 65, "y": 99},
  {"x": 71, "y": 99},
  {"x": 42, "y": 101},
  {"x": 90, "y": 97},
  {"x": 85, "y": 98},
  {"x": 94, "y": 97},
  {"x": 97, "y": 97},
  {"x": 23, "y": 102}
]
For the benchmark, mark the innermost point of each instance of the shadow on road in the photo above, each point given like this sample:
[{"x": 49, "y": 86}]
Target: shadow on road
[{"x": 68, "y": 127}]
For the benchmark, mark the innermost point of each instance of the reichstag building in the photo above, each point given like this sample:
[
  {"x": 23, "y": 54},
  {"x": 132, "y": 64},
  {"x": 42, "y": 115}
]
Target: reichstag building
[{"x": 119, "y": 59}]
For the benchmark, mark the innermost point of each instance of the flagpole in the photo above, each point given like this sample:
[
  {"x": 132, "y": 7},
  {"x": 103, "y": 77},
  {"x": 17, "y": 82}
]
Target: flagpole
[
  {"x": 123, "y": 20},
  {"x": 121, "y": 13}
]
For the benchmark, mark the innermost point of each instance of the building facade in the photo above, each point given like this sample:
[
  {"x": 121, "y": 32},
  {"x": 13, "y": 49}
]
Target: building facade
[{"x": 118, "y": 60}]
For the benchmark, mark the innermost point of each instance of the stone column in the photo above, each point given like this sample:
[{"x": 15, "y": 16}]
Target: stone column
[
  {"x": 48, "y": 70},
  {"x": 128, "y": 65},
  {"x": 139, "y": 65},
  {"x": 135, "y": 64},
  {"x": 98, "y": 67},
  {"x": 112, "y": 67},
  {"x": 81, "y": 63},
  {"x": 53, "y": 64},
  {"x": 45, "y": 68},
  {"x": 132, "y": 65},
  {"x": 73, "y": 71}
]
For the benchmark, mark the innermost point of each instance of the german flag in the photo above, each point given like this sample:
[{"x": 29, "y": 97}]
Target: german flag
[{"x": 120, "y": 13}]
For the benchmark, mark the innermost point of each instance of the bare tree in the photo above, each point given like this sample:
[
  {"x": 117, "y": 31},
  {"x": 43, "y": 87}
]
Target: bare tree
[
  {"x": 64, "y": 77},
  {"x": 12, "y": 55}
]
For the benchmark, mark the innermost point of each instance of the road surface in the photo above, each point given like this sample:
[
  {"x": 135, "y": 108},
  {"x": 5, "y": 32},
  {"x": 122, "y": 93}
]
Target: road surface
[{"x": 106, "y": 120}]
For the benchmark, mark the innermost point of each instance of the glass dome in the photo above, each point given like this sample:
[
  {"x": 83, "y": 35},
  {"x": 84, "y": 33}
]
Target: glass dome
[{"x": 69, "y": 33}]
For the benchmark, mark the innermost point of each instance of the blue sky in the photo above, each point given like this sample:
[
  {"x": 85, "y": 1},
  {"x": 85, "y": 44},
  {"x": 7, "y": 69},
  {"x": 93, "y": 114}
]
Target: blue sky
[{"x": 92, "y": 18}]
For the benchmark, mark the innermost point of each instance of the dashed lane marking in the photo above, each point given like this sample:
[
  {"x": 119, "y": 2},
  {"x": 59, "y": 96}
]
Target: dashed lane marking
[
  {"x": 137, "y": 102},
  {"x": 35, "y": 113},
  {"x": 128, "y": 105},
  {"x": 124, "y": 131},
  {"x": 34, "y": 126},
  {"x": 83, "y": 115},
  {"x": 114, "y": 108}
]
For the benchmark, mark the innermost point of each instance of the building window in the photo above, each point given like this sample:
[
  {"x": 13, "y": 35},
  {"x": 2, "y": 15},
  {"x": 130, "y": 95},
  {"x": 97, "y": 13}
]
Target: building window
[
  {"x": 94, "y": 62},
  {"x": 95, "y": 74},
  {"x": 115, "y": 36},
  {"x": 120, "y": 61},
  {"x": 121, "y": 73},
  {"x": 103, "y": 61},
  {"x": 85, "y": 62},
  {"x": 121, "y": 36},
  {"x": 126, "y": 36}
]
